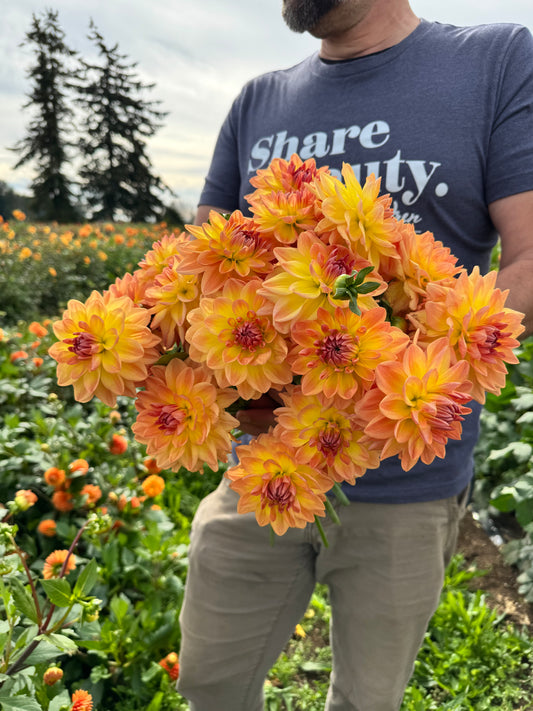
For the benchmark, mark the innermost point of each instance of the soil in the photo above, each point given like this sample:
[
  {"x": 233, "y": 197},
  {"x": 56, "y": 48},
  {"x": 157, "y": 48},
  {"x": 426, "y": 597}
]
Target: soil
[{"x": 500, "y": 581}]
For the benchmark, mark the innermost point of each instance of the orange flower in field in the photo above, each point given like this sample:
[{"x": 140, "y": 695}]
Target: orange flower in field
[
  {"x": 418, "y": 403},
  {"x": 37, "y": 330},
  {"x": 93, "y": 494},
  {"x": 224, "y": 248},
  {"x": 275, "y": 482},
  {"x": 170, "y": 299},
  {"x": 182, "y": 418},
  {"x": 285, "y": 176},
  {"x": 240, "y": 346},
  {"x": 328, "y": 432},
  {"x": 104, "y": 347},
  {"x": 285, "y": 215},
  {"x": 18, "y": 215},
  {"x": 62, "y": 501},
  {"x": 53, "y": 564},
  {"x": 25, "y": 498},
  {"x": 18, "y": 355},
  {"x": 54, "y": 477},
  {"x": 52, "y": 271},
  {"x": 81, "y": 701},
  {"x": 305, "y": 280},
  {"x": 151, "y": 465},
  {"x": 47, "y": 527},
  {"x": 363, "y": 218},
  {"x": 160, "y": 256},
  {"x": 118, "y": 444},
  {"x": 52, "y": 675},
  {"x": 153, "y": 485},
  {"x": 171, "y": 664},
  {"x": 480, "y": 329},
  {"x": 338, "y": 354},
  {"x": 79, "y": 465},
  {"x": 37, "y": 362}
]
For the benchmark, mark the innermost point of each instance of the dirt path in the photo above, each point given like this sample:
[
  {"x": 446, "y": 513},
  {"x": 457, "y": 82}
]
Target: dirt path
[{"x": 500, "y": 582}]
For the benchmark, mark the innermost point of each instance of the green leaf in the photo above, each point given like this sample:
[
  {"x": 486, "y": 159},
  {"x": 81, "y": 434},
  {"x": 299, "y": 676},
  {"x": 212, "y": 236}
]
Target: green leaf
[
  {"x": 23, "y": 600},
  {"x": 367, "y": 287},
  {"x": 61, "y": 641},
  {"x": 58, "y": 591},
  {"x": 120, "y": 606},
  {"x": 19, "y": 703},
  {"x": 87, "y": 579},
  {"x": 505, "y": 501}
]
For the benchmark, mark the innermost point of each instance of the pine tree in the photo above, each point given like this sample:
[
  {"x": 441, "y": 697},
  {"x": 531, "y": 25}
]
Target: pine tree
[
  {"x": 45, "y": 142},
  {"x": 117, "y": 173}
]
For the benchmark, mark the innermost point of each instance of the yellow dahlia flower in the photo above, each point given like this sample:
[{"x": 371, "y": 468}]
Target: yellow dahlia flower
[
  {"x": 285, "y": 215},
  {"x": 305, "y": 280},
  {"x": 105, "y": 347},
  {"x": 241, "y": 347},
  {"x": 480, "y": 330},
  {"x": 171, "y": 297},
  {"x": 418, "y": 403},
  {"x": 182, "y": 418},
  {"x": 162, "y": 254},
  {"x": 338, "y": 354},
  {"x": 328, "y": 433},
  {"x": 274, "y": 481},
  {"x": 363, "y": 218},
  {"x": 225, "y": 248}
]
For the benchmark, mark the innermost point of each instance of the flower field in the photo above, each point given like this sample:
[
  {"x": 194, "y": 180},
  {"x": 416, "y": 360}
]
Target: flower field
[{"x": 94, "y": 531}]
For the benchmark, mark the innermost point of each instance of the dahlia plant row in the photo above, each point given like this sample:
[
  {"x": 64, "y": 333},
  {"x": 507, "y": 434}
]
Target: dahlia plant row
[{"x": 371, "y": 335}]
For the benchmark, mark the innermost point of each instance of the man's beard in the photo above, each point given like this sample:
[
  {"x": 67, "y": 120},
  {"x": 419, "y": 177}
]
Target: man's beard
[{"x": 303, "y": 15}]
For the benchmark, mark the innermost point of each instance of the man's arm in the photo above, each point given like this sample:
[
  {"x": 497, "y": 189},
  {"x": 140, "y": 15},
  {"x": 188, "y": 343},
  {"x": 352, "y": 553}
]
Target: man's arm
[
  {"x": 202, "y": 214},
  {"x": 513, "y": 219}
]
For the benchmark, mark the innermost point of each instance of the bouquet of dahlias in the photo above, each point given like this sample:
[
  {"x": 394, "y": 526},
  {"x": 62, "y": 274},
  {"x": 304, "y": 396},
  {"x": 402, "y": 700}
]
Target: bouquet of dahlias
[{"x": 371, "y": 334}]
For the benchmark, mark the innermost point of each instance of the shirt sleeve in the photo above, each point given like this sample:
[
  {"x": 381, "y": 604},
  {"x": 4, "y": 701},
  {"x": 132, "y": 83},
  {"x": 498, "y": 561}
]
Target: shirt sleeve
[
  {"x": 222, "y": 184},
  {"x": 510, "y": 158}
]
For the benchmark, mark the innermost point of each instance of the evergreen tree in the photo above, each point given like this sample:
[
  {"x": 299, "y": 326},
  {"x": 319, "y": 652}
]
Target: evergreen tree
[
  {"x": 117, "y": 173},
  {"x": 45, "y": 142}
]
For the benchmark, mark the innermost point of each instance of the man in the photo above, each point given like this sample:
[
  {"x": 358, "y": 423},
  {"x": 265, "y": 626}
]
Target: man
[{"x": 445, "y": 116}]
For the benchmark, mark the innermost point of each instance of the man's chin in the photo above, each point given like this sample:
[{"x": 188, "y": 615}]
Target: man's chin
[{"x": 305, "y": 15}]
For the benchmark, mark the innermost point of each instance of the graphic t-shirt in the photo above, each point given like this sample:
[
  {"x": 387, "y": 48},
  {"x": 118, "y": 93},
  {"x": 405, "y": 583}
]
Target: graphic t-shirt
[{"x": 445, "y": 117}]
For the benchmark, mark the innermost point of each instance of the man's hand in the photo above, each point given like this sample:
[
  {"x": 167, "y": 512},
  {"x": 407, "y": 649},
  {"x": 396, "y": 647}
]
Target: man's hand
[{"x": 259, "y": 415}]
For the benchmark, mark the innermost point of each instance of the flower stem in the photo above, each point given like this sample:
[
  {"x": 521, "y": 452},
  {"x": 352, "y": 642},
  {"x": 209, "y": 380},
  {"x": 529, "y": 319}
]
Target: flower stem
[
  {"x": 332, "y": 513},
  {"x": 321, "y": 531},
  {"x": 339, "y": 493}
]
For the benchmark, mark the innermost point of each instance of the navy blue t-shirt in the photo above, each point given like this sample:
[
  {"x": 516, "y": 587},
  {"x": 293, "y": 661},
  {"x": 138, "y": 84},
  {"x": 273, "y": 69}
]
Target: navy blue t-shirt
[{"x": 445, "y": 117}]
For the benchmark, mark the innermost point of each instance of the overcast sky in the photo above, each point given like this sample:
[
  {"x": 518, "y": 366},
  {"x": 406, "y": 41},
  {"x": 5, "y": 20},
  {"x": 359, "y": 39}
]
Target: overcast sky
[{"x": 197, "y": 52}]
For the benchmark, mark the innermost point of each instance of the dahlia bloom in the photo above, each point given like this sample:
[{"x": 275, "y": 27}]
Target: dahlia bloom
[
  {"x": 305, "y": 280},
  {"x": 285, "y": 215},
  {"x": 118, "y": 444},
  {"x": 224, "y": 248},
  {"x": 52, "y": 675},
  {"x": 472, "y": 316},
  {"x": 25, "y": 499},
  {"x": 54, "y": 563},
  {"x": 153, "y": 485},
  {"x": 162, "y": 254},
  {"x": 104, "y": 347},
  {"x": 338, "y": 354},
  {"x": 81, "y": 466},
  {"x": 284, "y": 176},
  {"x": 171, "y": 665},
  {"x": 170, "y": 298},
  {"x": 62, "y": 501},
  {"x": 328, "y": 433},
  {"x": 363, "y": 218},
  {"x": 182, "y": 418},
  {"x": 93, "y": 494},
  {"x": 47, "y": 527},
  {"x": 418, "y": 403},
  {"x": 274, "y": 481},
  {"x": 241, "y": 347},
  {"x": 81, "y": 701},
  {"x": 54, "y": 477}
]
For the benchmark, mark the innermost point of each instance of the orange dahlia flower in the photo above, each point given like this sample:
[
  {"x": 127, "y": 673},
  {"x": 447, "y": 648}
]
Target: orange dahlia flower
[
  {"x": 241, "y": 347},
  {"x": 170, "y": 298},
  {"x": 418, "y": 403},
  {"x": 81, "y": 701},
  {"x": 47, "y": 527},
  {"x": 53, "y": 564},
  {"x": 328, "y": 433},
  {"x": 225, "y": 248},
  {"x": 104, "y": 347},
  {"x": 363, "y": 218},
  {"x": 162, "y": 254},
  {"x": 171, "y": 664},
  {"x": 151, "y": 465},
  {"x": 25, "y": 499},
  {"x": 93, "y": 494},
  {"x": 118, "y": 444},
  {"x": 285, "y": 176},
  {"x": 54, "y": 477},
  {"x": 37, "y": 329},
  {"x": 18, "y": 355},
  {"x": 128, "y": 285},
  {"x": 182, "y": 418},
  {"x": 62, "y": 501},
  {"x": 79, "y": 465},
  {"x": 338, "y": 353},
  {"x": 52, "y": 675},
  {"x": 285, "y": 215},
  {"x": 153, "y": 485},
  {"x": 274, "y": 481},
  {"x": 479, "y": 328},
  {"x": 305, "y": 280}
]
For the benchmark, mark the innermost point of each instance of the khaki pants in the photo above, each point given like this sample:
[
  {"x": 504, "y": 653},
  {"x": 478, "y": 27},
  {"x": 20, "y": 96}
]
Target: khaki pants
[{"x": 384, "y": 568}]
